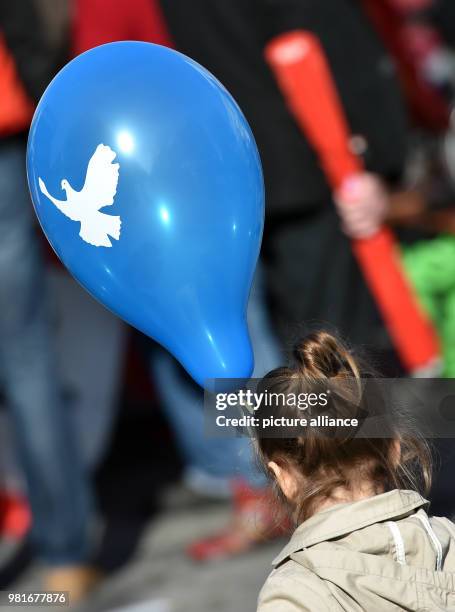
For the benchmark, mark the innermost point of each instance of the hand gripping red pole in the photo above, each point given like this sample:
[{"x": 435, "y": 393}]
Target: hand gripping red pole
[{"x": 303, "y": 75}]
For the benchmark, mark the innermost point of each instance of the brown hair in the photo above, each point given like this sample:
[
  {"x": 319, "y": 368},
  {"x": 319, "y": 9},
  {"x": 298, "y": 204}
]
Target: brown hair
[{"x": 326, "y": 460}]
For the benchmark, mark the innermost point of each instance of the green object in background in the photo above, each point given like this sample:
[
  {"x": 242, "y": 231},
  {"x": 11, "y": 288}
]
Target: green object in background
[{"x": 430, "y": 265}]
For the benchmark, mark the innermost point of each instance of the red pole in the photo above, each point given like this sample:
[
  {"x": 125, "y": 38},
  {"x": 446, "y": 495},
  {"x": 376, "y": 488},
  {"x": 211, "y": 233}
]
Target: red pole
[{"x": 303, "y": 75}]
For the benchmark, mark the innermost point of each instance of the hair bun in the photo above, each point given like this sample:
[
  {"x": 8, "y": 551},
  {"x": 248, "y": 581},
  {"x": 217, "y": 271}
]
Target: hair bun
[{"x": 321, "y": 355}]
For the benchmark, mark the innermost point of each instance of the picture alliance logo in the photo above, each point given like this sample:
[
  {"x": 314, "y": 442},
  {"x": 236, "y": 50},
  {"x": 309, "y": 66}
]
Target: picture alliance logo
[{"x": 252, "y": 401}]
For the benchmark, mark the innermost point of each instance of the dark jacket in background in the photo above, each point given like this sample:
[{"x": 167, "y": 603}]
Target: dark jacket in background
[
  {"x": 22, "y": 27},
  {"x": 228, "y": 37},
  {"x": 312, "y": 276}
]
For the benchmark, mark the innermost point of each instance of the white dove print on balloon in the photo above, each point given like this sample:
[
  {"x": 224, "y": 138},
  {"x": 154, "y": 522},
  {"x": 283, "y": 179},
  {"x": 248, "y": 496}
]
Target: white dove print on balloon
[{"x": 98, "y": 191}]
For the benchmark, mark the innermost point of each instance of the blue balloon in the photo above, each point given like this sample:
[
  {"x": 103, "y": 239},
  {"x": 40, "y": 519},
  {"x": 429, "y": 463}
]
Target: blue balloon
[{"x": 147, "y": 182}]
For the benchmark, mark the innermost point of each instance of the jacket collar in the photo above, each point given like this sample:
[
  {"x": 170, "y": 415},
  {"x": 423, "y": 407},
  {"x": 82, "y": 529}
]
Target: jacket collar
[{"x": 346, "y": 518}]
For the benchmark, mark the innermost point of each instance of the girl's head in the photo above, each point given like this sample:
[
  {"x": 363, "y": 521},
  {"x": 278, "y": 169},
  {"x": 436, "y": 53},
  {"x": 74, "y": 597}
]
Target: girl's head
[{"x": 325, "y": 466}]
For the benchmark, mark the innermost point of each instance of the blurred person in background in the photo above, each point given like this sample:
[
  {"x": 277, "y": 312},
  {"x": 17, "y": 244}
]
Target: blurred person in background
[
  {"x": 217, "y": 468},
  {"x": 311, "y": 272},
  {"x": 58, "y": 490},
  {"x": 423, "y": 210},
  {"x": 421, "y": 34}
]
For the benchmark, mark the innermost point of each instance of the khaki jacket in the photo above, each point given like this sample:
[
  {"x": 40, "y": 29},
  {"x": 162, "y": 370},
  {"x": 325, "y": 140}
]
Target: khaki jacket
[{"x": 381, "y": 553}]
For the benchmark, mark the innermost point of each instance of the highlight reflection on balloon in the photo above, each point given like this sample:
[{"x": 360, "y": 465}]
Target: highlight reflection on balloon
[
  {"x": 147, "y": 182},
  {"x": 125, "y": 142}
]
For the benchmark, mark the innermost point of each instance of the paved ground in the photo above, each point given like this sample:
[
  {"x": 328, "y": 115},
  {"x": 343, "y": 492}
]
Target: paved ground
[{"x": 159, "y": 578}]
